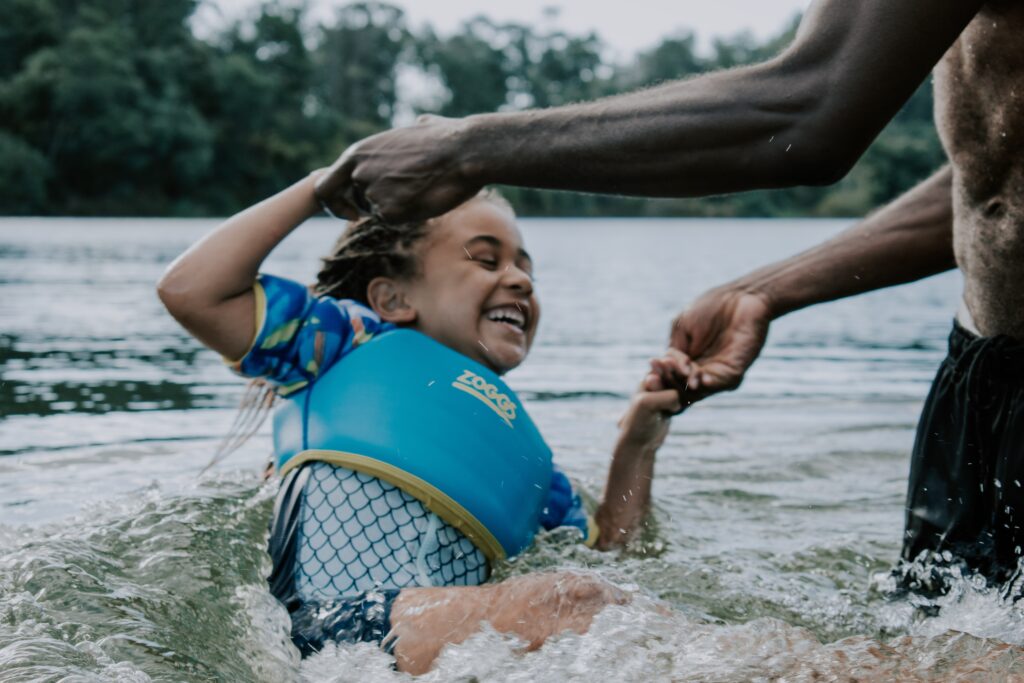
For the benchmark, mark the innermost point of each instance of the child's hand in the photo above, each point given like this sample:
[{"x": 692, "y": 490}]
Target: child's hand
[
  {"x": 655, "y": 402},
  {"x": 677, "y": 370}
]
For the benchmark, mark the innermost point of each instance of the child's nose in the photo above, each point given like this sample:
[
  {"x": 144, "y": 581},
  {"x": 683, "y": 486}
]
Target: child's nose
[{"x": 518, "y": 279}]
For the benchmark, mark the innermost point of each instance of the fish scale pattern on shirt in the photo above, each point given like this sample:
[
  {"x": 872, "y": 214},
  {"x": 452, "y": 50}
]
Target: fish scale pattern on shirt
[{"x": 358, "y": 532}]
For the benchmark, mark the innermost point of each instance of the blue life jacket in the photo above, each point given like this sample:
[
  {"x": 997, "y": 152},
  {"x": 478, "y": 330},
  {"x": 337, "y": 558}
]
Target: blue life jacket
[{"x": 440, "y": 426}]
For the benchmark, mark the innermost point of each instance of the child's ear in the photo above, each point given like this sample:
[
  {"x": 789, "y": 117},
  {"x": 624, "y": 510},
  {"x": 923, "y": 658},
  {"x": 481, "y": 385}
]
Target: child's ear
[{"x": 387, "y": 299}]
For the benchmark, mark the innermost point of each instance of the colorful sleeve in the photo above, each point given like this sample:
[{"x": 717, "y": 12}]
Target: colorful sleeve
[
  {"x": 565, "y": 508},
  {"x": 299, "y": 336}
]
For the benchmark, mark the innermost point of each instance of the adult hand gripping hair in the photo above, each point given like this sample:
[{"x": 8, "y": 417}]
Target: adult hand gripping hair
[{"x": 430, "y": 183}]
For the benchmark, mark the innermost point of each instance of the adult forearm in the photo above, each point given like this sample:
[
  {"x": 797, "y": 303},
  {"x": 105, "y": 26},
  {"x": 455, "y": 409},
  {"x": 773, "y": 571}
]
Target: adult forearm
[
  {"x": 803, "y": 117},
  {"x": 907, "y": 240},
  {"x": 732, "y": 130}
]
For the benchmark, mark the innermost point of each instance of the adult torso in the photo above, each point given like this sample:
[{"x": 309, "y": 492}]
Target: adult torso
[{"x": 979, "y": 88}]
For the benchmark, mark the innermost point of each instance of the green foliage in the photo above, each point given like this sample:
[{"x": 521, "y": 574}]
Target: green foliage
[
  {"x": 359, "y": 56},
  {"x": 25, "y": 27},
  {"x": 268, "y": 126},
  {"x": 117, "y": 107},
  {"x": 24, "y": 172},
  {"x": 675, "y": 57},
  {"x": 473, "y": 71},
  {"x": 554, "y": 69}
]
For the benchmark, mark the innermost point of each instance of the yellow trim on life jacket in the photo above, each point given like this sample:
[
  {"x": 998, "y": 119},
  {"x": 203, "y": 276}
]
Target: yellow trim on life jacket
[
  {"x": 260, "y": 314},
  {"x": 593, "y": 532},
  {"x": 432, "y": 497}
]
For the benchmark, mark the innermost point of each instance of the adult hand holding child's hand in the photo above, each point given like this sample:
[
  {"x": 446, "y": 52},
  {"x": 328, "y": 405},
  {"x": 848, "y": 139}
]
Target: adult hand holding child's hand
[
  {"x": 401, "y": 175},
  {"x": 719, "y": 336},
  {"x": 647, "y": 419}
]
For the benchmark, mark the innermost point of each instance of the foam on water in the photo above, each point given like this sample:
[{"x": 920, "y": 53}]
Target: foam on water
[
  {"x": 167, "y": 584},
  {"x": 170, "y": 583}
]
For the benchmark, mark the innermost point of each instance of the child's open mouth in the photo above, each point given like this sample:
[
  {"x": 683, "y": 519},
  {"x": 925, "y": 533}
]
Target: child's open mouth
[{"x": 513, "y": 316}]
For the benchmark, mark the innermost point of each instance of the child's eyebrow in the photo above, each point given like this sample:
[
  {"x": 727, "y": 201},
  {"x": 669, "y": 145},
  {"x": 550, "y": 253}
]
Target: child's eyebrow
[{"x": 496, "y": 243}]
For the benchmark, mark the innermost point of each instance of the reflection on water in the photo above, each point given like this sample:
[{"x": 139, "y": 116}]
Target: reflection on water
[{"x": 775, "y": 506}]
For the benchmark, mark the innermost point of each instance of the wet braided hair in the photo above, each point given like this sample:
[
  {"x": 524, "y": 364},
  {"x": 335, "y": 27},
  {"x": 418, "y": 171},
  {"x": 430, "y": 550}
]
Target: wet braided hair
[{"x": 369, "y": 248}]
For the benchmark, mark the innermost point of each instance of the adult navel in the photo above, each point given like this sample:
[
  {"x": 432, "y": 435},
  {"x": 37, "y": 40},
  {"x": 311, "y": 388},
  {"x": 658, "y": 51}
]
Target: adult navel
[{"x": 995, "y": 208}]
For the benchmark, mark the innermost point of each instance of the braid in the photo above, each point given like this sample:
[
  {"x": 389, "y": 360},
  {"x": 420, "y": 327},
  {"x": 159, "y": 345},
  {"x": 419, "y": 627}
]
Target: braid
[{"x": 367, "y": 249}]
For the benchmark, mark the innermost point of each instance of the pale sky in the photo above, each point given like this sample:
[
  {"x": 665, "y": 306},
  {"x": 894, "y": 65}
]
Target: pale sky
[{"x": 626, "y": 26}]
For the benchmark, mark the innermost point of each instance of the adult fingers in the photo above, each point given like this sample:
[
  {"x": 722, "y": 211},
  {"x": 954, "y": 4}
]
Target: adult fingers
[
  {"x": 651, "y": 382},
  {"x": 675, "y": 362},
  {"x": 718, "y": 375},
  {"x": 334, "y": 189},
  {"x": 675, "y": 355},
  {"x": 677, "y": 370},
  {"x": 679, "y": 335}
]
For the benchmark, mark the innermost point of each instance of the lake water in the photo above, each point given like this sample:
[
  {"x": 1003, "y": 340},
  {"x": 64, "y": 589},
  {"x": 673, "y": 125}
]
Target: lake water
[{"x": 777, "y": 507}]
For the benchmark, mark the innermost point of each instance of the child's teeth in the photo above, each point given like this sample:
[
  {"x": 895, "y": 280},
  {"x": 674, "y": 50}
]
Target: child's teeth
[{"x": 507, "y": 315}]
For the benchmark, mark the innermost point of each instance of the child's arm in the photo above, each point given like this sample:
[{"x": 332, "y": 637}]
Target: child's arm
[
  {"x": 643, "y": 429},
  {"x": 209, "y": 288}
]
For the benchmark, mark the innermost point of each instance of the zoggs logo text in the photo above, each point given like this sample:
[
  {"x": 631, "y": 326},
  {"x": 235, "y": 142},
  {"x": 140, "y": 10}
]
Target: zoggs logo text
[{"x": 476, "y": 386}]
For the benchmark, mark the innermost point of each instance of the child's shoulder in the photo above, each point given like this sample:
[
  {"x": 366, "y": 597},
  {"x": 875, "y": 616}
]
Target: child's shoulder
[
  {"x": 350, "y": 315},
  {"x": 299, "y": 301},
  {"x": 300, "y": 335},
  {"x": 299, "y": 323}
]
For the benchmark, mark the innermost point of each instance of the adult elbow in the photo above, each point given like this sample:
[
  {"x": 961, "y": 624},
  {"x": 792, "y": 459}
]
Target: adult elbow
[
  {"x": 823, "y": 132},
  {"x": 823, "y": 164},
  {"x": 825, "y": 144},
  {"x": 806, "y": 161}
]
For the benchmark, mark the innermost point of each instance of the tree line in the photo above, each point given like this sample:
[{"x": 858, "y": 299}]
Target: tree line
[{"x": 118, "y": 107}]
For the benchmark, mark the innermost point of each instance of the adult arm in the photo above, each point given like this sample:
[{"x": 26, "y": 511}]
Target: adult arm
[
  {"x": 803, "y": 117},
  {"x": 642, "y": 430},
  {"x": 724, "y": 329},
  {"x": 209, "y": 288}
]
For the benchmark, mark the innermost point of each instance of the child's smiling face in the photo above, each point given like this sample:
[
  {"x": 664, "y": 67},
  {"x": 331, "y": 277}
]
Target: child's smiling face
[{"x": 474, "y": 290}]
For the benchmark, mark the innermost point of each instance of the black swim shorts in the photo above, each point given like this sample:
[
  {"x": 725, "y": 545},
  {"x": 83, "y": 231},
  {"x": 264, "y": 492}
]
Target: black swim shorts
[
  {"x": 364, "y": 618},
  {"x": 965, "y": 501}
]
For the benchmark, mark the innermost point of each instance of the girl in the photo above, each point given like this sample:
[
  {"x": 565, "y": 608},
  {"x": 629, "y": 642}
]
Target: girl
[{"x": 370, "y": 541}]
